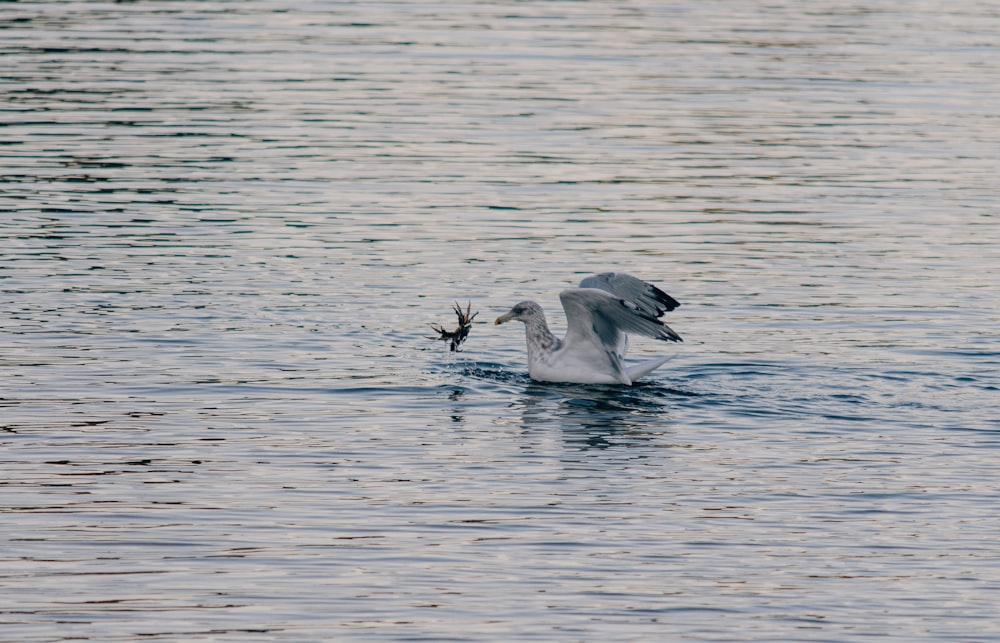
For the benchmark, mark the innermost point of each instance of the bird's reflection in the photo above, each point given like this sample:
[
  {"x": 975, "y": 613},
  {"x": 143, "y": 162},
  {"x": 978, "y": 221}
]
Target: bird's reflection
[{"x": 594, "y": 417}]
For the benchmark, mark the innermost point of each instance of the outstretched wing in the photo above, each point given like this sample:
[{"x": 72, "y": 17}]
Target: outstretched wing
[
  {"x": 648, "y": 298},
  {"x": 598, "y": 317}
]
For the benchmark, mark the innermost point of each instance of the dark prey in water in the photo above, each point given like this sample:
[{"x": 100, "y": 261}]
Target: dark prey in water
[{"x": 457, "y": 336}]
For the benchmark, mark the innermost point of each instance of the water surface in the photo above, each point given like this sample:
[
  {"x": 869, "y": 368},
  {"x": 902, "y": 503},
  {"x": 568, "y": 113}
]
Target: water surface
[{"x": 227, "y": 227}]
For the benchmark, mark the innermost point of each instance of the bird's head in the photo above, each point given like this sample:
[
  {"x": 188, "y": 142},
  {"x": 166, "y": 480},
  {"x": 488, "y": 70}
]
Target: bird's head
[{"x": 522, "y": 312}]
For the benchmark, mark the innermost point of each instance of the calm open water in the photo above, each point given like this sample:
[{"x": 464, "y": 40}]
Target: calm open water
[{"x": 227, "y": 227}]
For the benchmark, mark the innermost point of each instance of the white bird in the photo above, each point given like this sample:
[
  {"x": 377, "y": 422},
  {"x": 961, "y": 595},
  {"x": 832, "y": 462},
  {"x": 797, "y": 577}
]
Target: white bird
[{"x": 599, "y": 314}]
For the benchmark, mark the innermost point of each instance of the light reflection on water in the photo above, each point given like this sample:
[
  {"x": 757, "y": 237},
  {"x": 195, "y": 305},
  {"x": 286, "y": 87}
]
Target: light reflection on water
[{"x": 228, "y": 226}]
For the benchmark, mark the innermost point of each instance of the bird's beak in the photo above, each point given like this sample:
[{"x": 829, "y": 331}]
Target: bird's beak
[{"x": 504, "y": 318}]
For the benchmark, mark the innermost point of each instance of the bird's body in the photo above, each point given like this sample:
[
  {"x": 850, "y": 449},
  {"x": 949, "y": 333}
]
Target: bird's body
[{"x": 599, "y": 316}]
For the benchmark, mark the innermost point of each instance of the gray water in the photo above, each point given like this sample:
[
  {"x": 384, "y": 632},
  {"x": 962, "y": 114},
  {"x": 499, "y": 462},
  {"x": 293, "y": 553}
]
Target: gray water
[{"x": 227, "y": 227}]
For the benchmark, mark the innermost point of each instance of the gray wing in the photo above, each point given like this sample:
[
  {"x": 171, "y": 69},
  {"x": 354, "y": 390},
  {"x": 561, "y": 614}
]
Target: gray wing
[
  {"x": 647, "y": 297},
  {"x": 597, "y": 316}
]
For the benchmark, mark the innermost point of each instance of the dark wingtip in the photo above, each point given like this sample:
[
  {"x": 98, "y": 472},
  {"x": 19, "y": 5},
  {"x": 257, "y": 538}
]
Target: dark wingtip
[
  {"x": 668, "y": 302},
  {"x": 670, "y": 335}
]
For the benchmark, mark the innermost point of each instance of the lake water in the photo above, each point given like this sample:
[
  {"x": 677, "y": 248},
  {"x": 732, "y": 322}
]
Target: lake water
[{"x": 227, "y": 227}]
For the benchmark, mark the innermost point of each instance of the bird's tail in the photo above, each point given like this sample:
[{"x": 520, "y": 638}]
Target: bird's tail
[{"x": 644, "y": 368}]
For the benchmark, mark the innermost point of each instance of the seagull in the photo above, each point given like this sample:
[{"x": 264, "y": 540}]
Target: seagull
[{"x": 599, "y": 314}]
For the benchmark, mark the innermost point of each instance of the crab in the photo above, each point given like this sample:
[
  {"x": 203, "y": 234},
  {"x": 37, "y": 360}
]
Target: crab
[{"x": 457, "y": 336}]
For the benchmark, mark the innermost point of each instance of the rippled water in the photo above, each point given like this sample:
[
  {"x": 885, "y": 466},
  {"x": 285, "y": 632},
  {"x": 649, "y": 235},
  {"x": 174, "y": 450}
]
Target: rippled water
[{"x": 227, "y": 227}]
